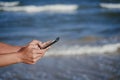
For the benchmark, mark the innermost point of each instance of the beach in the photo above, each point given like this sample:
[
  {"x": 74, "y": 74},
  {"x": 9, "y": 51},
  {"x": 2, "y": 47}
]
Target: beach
[{"x": 89, "y": 45}]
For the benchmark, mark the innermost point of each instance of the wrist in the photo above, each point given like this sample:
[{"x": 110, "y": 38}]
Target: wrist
[
  {"x": 18, "y": 57},
  {"x": 17, "y": 48}
]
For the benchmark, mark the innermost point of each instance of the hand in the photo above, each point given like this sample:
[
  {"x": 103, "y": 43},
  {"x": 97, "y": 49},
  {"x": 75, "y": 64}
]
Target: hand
[{"x": 31, "y": 53}]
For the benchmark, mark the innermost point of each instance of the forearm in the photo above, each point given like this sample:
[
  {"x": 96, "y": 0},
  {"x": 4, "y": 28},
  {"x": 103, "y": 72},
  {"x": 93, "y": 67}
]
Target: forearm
[
  {"x": 5, "y": 48},
  {"x": 8, "y": 59}
]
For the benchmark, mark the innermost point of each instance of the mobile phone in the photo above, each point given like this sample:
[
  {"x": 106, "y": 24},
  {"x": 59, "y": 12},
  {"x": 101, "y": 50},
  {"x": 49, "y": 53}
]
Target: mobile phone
[{"x": 54, "y": 41}]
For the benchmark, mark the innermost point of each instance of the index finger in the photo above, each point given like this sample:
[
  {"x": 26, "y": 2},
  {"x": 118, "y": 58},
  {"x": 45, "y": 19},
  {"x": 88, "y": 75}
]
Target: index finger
[
  {"x": 36, "y": 42},
  {"x": 46, "y": 44}
]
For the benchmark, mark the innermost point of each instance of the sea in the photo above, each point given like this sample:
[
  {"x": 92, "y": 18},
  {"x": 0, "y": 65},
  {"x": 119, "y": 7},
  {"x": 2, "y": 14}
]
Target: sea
[{"x": 89, "y": 31}]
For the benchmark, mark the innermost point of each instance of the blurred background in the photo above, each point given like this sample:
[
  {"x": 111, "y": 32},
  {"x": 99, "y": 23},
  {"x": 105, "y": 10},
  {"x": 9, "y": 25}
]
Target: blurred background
[{"x": 89, "y": 32}]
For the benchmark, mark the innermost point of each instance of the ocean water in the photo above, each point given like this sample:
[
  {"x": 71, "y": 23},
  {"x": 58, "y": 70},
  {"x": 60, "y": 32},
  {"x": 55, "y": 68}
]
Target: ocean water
[{"x": 89, "y": 32}]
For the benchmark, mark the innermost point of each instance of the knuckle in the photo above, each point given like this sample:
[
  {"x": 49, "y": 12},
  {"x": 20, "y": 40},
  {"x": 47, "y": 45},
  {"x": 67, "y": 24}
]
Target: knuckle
[
  {"x": 30, "y": 46},
  {"x": 36, "y": 46},
  {"x": 33, "y": 61},
  {"x": 40, "y": 42},
  {"x": 34, "y": 40}
]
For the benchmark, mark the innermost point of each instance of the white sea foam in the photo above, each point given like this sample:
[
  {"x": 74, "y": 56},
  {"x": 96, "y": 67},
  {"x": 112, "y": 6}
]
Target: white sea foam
[
  {"x": 110, "y": 5},
  {"x": 8, "y": 4},
  {"x": 52, "y": 8},
  {"x": 78, "y": 50}
]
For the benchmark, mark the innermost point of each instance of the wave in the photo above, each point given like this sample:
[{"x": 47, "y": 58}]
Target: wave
[
  {"x": 78, "y": 50},
  {"x": 52, "y": 8},
  {"x": 8, "y": 4},
  {"x": 110, "y": 5}
]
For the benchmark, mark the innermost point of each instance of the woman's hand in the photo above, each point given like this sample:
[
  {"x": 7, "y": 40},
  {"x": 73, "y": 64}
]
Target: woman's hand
[{"x": 31, "y": 53}]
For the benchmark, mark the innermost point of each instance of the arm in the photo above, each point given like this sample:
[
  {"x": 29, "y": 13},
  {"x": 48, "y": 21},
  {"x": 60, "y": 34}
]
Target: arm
[
  {"x": 29, "y": 54},
  {"x": 7, "y": 59},
  {"x": 5, "y": 48},
  {"x": 8, "y": 54}
]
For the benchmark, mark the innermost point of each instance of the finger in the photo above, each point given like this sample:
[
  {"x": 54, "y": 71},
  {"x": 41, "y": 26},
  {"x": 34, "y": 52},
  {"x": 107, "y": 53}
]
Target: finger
[
  {"x": 40, "y": 51},
  {"x": 28, "y": 61},
  {"x": 37, "y": 51},
  {"x": 42, "y": 54},
  {"x": 33, "y": 46},
  {"x": 36, "y": 58},
  {"x": 39, "y": 57},
  {"x": 36, "y": 42},
  {"x": 31, "y": 60},
  {"x": 46, "y": 49},
  {"x": 46, "y": 43}
]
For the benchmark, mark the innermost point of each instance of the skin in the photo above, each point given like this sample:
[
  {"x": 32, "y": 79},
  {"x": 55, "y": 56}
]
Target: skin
[{"x": 28, "y": 54}]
